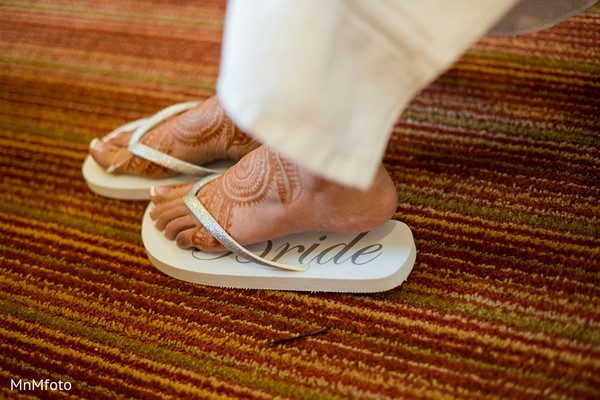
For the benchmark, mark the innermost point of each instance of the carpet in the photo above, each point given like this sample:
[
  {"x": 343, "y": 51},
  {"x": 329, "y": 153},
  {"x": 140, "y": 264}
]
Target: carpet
[{"x": 497, "y": 167}]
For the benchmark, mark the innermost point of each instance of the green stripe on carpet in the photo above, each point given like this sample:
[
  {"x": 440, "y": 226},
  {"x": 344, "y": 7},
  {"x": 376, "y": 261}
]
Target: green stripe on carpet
[{"x": 497, "y": 166}]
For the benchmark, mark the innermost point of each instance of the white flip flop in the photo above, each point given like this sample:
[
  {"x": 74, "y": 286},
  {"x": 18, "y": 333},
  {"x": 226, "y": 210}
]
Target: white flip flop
[
  {"x": 131, "y": 187},
  {"x": 373, "y": 261}
]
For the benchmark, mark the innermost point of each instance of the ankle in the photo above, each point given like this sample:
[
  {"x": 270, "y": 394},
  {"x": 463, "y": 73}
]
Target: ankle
[{"x": 346, "y": 209}]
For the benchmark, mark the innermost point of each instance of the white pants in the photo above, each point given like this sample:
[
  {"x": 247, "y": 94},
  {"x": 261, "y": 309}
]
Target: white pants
[{"x": 324, "y": 81}]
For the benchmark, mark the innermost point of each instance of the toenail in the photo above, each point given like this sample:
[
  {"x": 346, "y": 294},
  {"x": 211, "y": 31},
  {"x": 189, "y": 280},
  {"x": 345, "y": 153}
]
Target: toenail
[
  {"x": 158, "y": 190},
  {"x": 181, "y": 242},
  {"x": 94, "y": 143}
]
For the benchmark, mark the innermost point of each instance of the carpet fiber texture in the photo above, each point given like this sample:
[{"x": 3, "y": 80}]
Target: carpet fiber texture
[{"x": 497, "y": 167}]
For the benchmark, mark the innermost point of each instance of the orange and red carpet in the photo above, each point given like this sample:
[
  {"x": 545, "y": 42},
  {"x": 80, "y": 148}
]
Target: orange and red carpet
[{"x": 497, "y": 165}]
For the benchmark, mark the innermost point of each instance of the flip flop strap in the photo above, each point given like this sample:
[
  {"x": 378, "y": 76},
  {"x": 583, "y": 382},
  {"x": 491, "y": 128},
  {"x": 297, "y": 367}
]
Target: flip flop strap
[
  {"x": 157, "y": 156},
  {"x": 215, "y": 229}
]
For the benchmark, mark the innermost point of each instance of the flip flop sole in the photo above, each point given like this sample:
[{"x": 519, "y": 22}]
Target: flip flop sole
[
  {"x": 131, "y": 187},
  {"x": 124, "y": 187},
  {"x": 373, "y": 261}
]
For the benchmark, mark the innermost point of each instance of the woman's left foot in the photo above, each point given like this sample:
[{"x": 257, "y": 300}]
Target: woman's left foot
[{"x": 266, "y": 196}]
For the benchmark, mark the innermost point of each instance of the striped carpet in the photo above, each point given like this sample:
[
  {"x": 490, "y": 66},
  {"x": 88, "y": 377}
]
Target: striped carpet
[{"x": 497, "y": 168}]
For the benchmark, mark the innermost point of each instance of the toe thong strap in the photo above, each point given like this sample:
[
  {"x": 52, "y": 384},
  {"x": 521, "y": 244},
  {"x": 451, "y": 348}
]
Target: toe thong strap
[
  {"x": 157, "y": 156},
  {"x": 215, "y": 229}
]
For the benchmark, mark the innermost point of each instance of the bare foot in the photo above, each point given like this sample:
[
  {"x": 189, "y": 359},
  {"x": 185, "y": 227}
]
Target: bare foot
[
  {"x": 265, "y": 196},
  {"x": 199, "y": 135}
]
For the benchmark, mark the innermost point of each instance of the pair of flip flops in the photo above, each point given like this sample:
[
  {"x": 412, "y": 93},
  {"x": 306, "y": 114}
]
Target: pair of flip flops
[{"x": 372, "y": 261}]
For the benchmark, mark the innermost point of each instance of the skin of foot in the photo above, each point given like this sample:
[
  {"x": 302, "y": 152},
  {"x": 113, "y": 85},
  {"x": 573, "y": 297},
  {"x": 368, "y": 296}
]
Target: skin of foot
[
  {"x": 199, "y": 135},
  {"x": 266, "y": 196}
]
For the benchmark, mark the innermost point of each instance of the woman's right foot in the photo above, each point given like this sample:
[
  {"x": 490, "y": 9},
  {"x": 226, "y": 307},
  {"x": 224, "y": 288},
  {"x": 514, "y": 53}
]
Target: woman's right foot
[{"x": 200, "y": 135}]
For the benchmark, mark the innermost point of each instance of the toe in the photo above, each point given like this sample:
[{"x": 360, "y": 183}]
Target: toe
[
  {"x": 165, "y": 207},
  {"x": 161, "y": 194},
  {"x": 199, "y": 238},
  {"x": 118, "y": 160},
  {"x": 170, "y": 222},
  {"x": 173, "y": 218},
  {"x": 109, "y": 156},
  {"x": 118, "y": 138},
  {"x": 175, "y": 227}
]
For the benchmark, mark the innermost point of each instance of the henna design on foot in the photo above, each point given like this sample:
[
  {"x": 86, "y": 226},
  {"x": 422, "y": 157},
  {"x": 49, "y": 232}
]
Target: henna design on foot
[
  {"x": 200, "y": 135},
  {"x": 208, "y": 124},
  {"x": 263, "y": 175}
]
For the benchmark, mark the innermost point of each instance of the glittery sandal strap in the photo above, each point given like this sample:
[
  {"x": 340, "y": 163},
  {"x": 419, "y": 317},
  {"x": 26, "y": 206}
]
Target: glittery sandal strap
[
  {"x": 158, "y": 157},
  {"x": 215, "y": 229}
]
